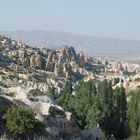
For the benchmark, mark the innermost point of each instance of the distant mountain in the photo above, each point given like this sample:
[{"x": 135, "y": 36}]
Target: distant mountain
[{"x": 91, "y": 45}]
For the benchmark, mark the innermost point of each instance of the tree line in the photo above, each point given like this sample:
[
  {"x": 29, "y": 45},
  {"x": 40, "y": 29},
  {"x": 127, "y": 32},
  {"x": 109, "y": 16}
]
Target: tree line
[{"x": 101, "y": 105}]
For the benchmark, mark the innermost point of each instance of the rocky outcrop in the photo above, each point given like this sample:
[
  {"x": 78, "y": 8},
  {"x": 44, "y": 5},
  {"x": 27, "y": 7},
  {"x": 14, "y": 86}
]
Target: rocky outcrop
[
  {"x": 60, "y": 123},
  {"x": 67, "y": 53},
  {"x": 22, "y": 54},
  {"x": 35, "y": 61},
  {"x": 62, "y": 62}
]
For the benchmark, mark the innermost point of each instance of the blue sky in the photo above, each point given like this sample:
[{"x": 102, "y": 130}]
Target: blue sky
[{"x": 107, "y": 18}]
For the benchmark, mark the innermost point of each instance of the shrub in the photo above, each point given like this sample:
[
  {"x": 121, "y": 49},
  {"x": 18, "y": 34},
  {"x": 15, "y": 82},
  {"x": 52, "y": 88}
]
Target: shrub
[{"x": 22, "y": 122}]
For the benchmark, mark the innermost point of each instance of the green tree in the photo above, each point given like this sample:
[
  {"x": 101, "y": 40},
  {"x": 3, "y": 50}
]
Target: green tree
[
  {"x": 83, "y": 100},
  {"x": 94, "y": 116},
  {"x": 133, "y": 112},
  {"x": 66, "y": 95},
  {"x": 51, "y": 92},
  {"x": 22, "y": 122},
  {"x": 105, "y": 105},
  {"x": 111, "y": 109},
  {"x": 121, "y": 126}
]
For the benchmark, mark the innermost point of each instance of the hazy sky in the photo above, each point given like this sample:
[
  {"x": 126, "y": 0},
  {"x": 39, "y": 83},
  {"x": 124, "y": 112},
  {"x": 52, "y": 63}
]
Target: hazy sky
[{"x": 107, "y": 18}]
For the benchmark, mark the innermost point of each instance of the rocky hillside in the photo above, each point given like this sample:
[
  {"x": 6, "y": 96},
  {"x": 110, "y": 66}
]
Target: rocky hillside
[
  {"x": 63, "y": 62},
  {"x": 26, "y": 75},
  {"x": 28, "y": 72},
  {"x": 43, "y": 64}
]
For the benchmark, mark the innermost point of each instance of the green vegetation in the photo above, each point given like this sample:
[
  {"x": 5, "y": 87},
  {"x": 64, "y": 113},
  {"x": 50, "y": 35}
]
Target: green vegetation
[
  {"x": 66, "y": 95},
  {"x": 51, "y": 92},
  {"x": 135, "y": 137},
  {"x": 21, "y": 122},
  {"x": 134, "y": 113},
  {"x": 102, "y": 106},
  {"x": 2, "y": 73}
]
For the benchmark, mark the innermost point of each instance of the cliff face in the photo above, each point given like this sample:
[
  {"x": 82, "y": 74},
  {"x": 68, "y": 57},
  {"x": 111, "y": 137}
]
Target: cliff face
[{"x": 63, "y": 62}]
